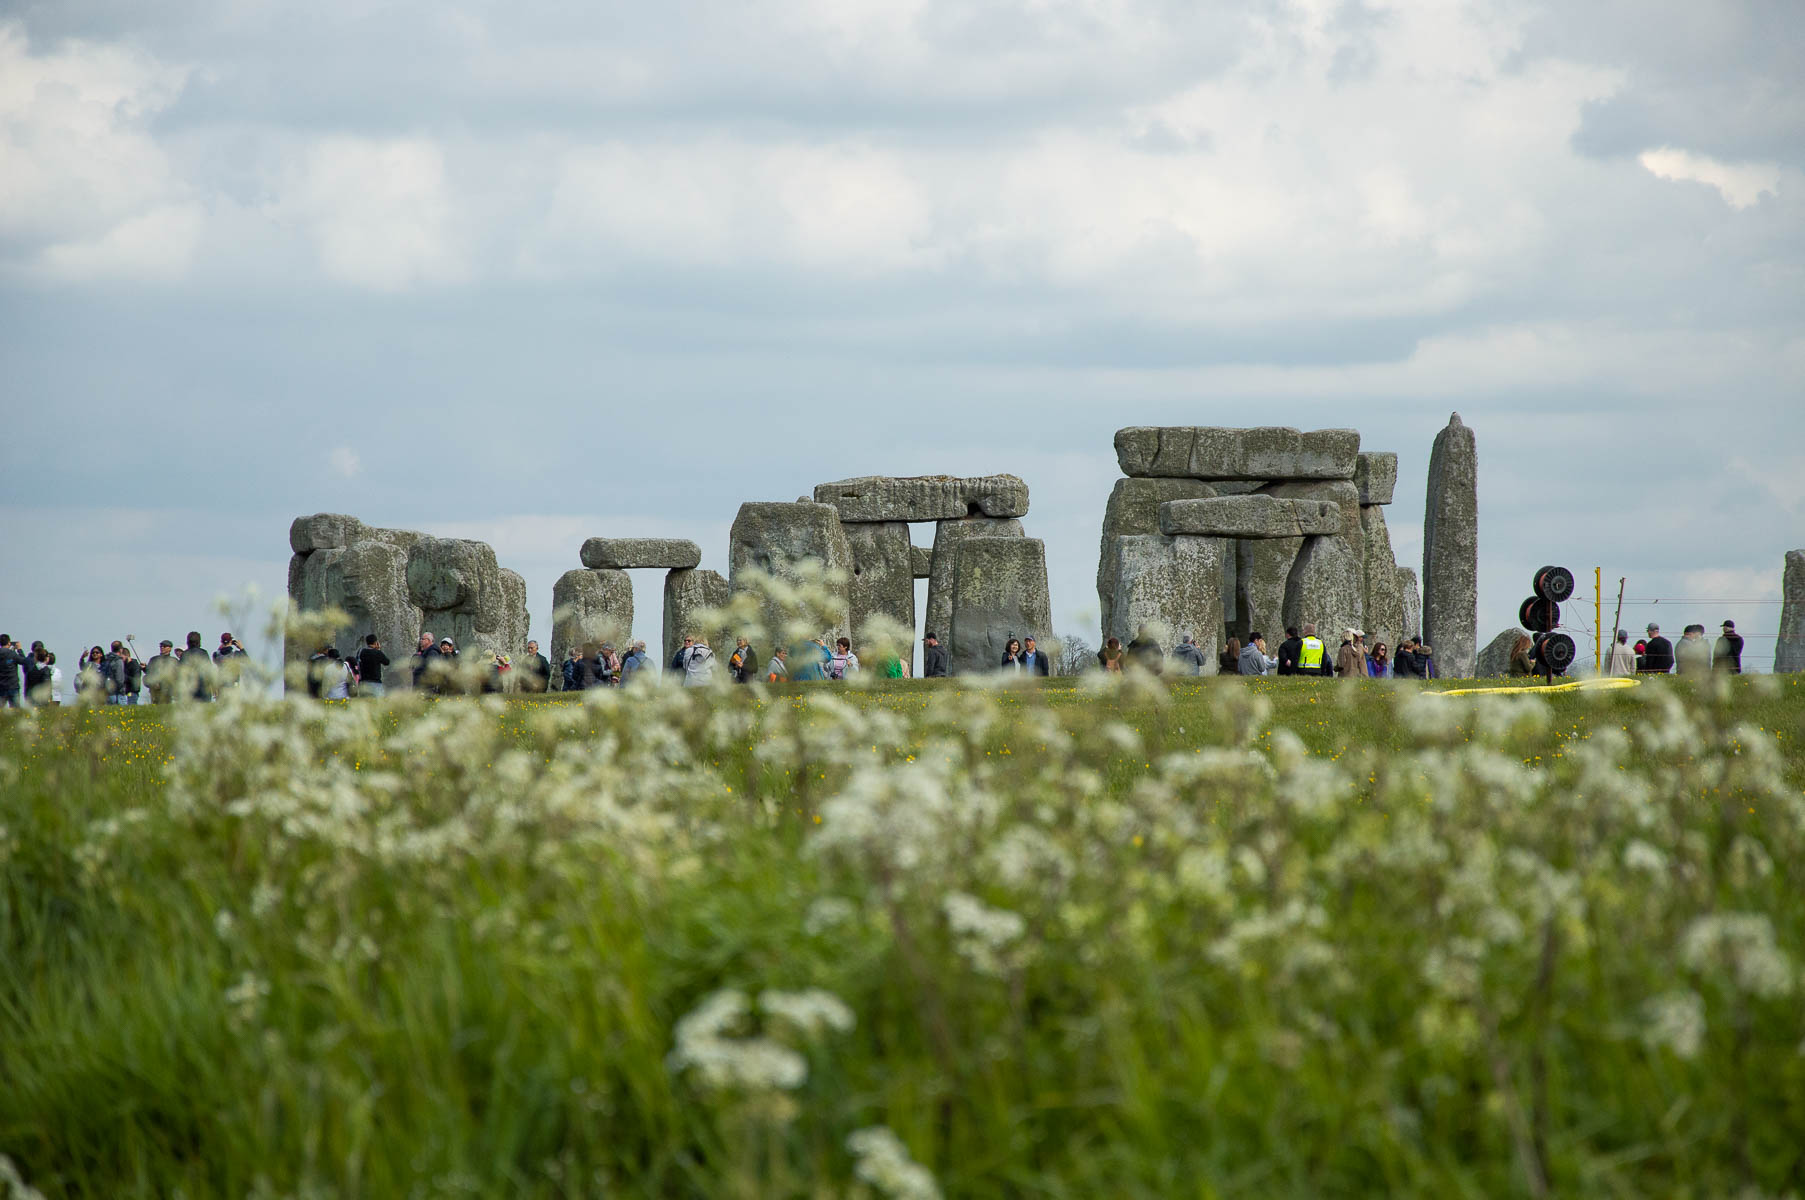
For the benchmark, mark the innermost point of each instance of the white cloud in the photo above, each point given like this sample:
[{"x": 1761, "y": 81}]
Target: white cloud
[
  {"x": 381, "y": 213},
  {"x": 1740, "y": 184},
  {"x": 343, "y": 462}
]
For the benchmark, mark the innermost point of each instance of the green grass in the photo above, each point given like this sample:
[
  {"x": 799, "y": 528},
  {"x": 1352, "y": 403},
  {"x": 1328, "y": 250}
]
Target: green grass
[{"x": 1243, "y": 939}]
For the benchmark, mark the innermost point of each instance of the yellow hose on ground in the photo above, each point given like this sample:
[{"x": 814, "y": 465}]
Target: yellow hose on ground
[{"x": 1572, "y": 685}]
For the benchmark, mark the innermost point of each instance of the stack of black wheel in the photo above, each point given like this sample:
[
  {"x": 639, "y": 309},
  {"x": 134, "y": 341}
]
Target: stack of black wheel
[{"x": 1541, "y": 613}]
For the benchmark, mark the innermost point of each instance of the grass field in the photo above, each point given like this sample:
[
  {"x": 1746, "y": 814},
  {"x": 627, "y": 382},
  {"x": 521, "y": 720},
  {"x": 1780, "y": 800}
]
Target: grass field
[{"x": 1213, "y": 938}]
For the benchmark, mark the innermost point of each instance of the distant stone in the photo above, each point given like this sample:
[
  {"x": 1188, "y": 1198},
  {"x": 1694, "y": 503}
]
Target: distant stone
[
  {"x": 589, "y": 607},
  {"x": 1133, "y": 508},
  {"x": 921, "y": 561},
  {"x": 883, "y": 576},
  {"x": 1376, "y": 475},
  {"x": 322, "y": 531},
  {"x": 1262, "y": 574},
  {"x": 1493, "y": 662},
  {"x": 462, "y": 595},
  {"x": 925, "y": 498},
  {"x": 1411, "y": 593},
  {"x": 1209, "y": 452},
  {"x": 1325, "y": 587},
  {"x": 1789, "y": 651},
  {"x": 1451, "y": 551},
  {"x": 1384, "y": 603},
  {"x": 1256, "y": 516},
  {"x": 1172, "y": 586},
  {"x": 947, "y": 536},
  {"x": 687, "y": 594},
  {"x": 626, "y": 554},
  {"x": 999, "y": 592},
  {"x": 777, "y": 539}
]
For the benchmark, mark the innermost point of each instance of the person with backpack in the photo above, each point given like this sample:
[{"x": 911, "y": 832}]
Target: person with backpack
[
  {"x": 636, "y": 661},
  {"x": 698, "y": 664},
  {"x": 337, "y": 675},
  {"x": 843, "y": 661}
]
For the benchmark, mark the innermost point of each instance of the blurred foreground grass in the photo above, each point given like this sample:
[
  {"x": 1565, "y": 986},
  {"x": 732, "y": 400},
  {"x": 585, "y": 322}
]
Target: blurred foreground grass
[{"x": 1217, "y": 937}]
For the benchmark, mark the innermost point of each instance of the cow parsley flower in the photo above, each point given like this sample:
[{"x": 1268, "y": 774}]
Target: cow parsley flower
[
  {"x": 1744, "y": 942},
  {"x": 882, "y": 1161},
  {"x": 812, "y": 1011},
  {"x": 1675, "y": 1020},
  {"x": 981, "y": 933}
]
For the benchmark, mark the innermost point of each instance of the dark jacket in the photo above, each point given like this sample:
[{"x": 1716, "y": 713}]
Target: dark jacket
[
  {"x": 933, "y": 662},
  {"x": 1040, "y": 665},
  {"x": 370, "y": 662},
  {"x": 37, "y": 675},
  {"x": 1289, "y": 649},
  {"x": 1407, "y": 664},
  {"x": 538, "y": 676},
  {"x": 1657, "y": 659},
  {"x": 742, "y": 664},
  {"x": 424, "y": 660},
  {"x": 159, "y": 674},
  {"x": 11, "y": 659},
  {"x": 1726, "y": 655},
  {"x": 1147, "y": 655}
]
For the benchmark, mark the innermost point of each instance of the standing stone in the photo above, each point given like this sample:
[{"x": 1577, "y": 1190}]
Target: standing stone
[
  {"x": 999, "y": 592},
  {"x": 1383, "y": 604},
  {"x": 1493, "y": 662},
  {"x": 1376, "y": 475},
  {"x": 921, "y": 562},
  {"x": 1412, "y": 596},
  {"x": 1789, "y": 651},
  {"x": 1133, "y": 508},
  {"x": 925, "y": 498},
  {"x": 589, "y": 606},
  {"x": 1173, "y": 584},
  {"x": 1262, "y": 576},
  {"x": 687, "y": 593},
  {"x": 1326, "y": 584},
  {"x": 883, "y": 576},
  {"x": 1208, "y": 452},
  {"x": 777, "y": 538},
  {"x": 1451, "y": 551},
  {"x": 516, "y": 625},
  {"x": 947, "y": 536},
  {"x": 626, "y": 554},
  {"x": 366, "y": 578},
  {"x": 323, "y": 531},
  {"x": 458, "y": 586}
]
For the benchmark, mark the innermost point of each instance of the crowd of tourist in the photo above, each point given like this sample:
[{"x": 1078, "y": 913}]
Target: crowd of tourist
[
  {"x": 115, "y": 674},
  {"x": 1302, "y": 652},
  {"x": 1653, "y": 654}
]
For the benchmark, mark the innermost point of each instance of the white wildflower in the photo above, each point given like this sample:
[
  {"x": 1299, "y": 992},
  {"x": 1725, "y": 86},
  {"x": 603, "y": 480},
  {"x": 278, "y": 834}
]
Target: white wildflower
[
  {"x": 1675, "y": 1020},
  {"x": 828, "y": 912},
  {"x": 754, "y": 1064},
  {"x": 245, "y": 998},
  {"x": 13, "y": 1185},
  {"x": 1743, "y": 942},
  {"x": 981, "y": 933},
  {"x": 223, "y": 923},
  {"x": 1640, "y": 856},
  {"x": 812, "y": 1011},
  {"x": 882, "y": 1161}
]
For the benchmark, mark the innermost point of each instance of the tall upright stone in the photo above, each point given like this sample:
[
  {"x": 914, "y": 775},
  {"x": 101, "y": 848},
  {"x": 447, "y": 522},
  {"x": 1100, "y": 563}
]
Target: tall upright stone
[
  {"x": 1384, "y": 603},
  {"x": 589, "y": 606},
  {"x": 1326, "y": 583},
  {"x": 777, "y": 538},
  {"x": 688, "y": 592},
  {"x": 999, "y": 592},
  {"x": 883, "y": 576},
  {"x": 1451, "y": 551},
  {"x": 1173, "y": 585},
  {"x": 339, "y": 562},
  {"x": 1789, "y": 650},
  {"x": 459, "y": 588},
  {"x": 1133, "y": 508},
  {"x": 1411, "y": 595},
  {"x": 1262, "y": 577},
  {"x": 947, "y": 536}
]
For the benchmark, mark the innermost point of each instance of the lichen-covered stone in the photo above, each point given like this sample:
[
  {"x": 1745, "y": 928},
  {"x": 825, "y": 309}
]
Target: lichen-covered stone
[
  {"x": 452, "y": 574},
  {"x": 1256, "y": 516},
  {"x": 368, "y": 581},
  {"x": 687, "y": 593},
  {"x": 1383, "y": 604},
  {"x": 777, "y": 538},
  {"x": 1451, "y": 551},
  {"x": 947, "y": 535},
  {"x": 999, "y": 592},
  {"x": 1262, "y": 574},
  {"x": 322, "y": 531},
  {"x": 589, "y": 606},
  {"x": 1173, "y": 586},
  {"x": 1325, "y": 586},
  {"x": 883, "y": 576},
  {"x": 1133, "y": 508},
  {"x": 1376, "y": 475},
  {"x": 626, "y": 554},
  {"x": 925, "y": 498},
  {"x": 1789, "y": 650},
  {"x": 1210, "y": 452},
  {"x": 921, "y": 562},
  {"x": 1411, "y": 594},
  {"x": 1493, "y": 662}
]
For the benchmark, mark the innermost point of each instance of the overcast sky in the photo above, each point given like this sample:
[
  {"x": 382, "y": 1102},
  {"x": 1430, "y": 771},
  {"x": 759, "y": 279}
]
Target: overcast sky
[{"x": 535, "y": 271}]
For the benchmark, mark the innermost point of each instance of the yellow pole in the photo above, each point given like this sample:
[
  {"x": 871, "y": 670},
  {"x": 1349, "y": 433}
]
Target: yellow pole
[{"x": 1598, "y": 619}]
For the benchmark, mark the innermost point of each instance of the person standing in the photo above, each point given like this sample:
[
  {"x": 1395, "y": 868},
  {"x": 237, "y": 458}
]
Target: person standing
[
  {"x": 198, "y": 667},
  {"x": 160, "y": 672},
  {"x": 1378, "y": 663},
  {"x": 370, "y": 662},
  {"x": 1657, "y": 657},
  {"x": 1034, "y": 659},
  {"x": 1145, "y": 652},
  {"x": 425, "y": 655},
  {"x": 682, "y": 656},
  {"x": 1520, "y": 664},
  {"x": 1289, "y": 649},
  {"x": 778, "y": 669},
  {"x": 1252, "y": 660},
  {"x": 742, "y": 663},
  {"x": 228, "y": 665},
  {"x": 1111, "y": 657},
  {"x": 12, "y": 677},
  {"x": 1623, "y": 658},
  {"x": 698, "y": 663},
  {"x": 131, "y": 676},
  {"x": 1312, "y": 654},
  {"x": 1726, "y": 655},
  {"x": 843, "y": 661},
  {"x": 1693, "y": 655},
  {"x": 1189, "y": 654},
  {"x": 1350, "y": 659},
  {"x": 37, "y": 676},
  {"x": 1227, "y": 663},
  {"x": 933, "y": 658}
]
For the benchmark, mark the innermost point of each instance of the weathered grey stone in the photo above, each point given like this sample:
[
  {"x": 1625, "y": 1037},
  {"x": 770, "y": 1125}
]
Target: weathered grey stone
[
  {"x": 1172, "y": 584},
  {"x": 1376, "y": 475},
  {"x": 589, "y": 606},
  {"x": 1493, "y": 662},
  {"x": 322, "y": 531},
  {"x": 1412, "y": 595},
  {"x": 368, "y": 581},
  {"x": 947, "y": 536},
  {"x": 921, "y": 562},
  {"x": 516, "y": 622},
  {"x": 1789, "y": 650},
  {"x": 1262, "y": 574},
  {"x": 1325, "y": 586},
  {"x": 999, "y": 592},
  {"x": 883, "y": 576},
  {"x": 1209, "y": 452},
  {"x": 1451, "y": 551},
  {"x": 626, "y": 554},
  {"x": 462, "y": 595},
  {"x": 1256, "y": 516},
  {"x": 777, "y": 539},
  {"x": 1383, "y": 603},
  {"x": 925, "y": 498},
  {"x": 1133, "y": 508},
  {"x": 686, "y": 594}
]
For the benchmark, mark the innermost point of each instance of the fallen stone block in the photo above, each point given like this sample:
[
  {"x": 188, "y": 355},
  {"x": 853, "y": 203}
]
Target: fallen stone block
[
  {"x": 627, "y": 554},
  {"x": 1209, "y": 452},
  {"x": 925, "y": 498},
  {"x": 1255, "y": 516},
  {"x": 1493, "y": 662}
]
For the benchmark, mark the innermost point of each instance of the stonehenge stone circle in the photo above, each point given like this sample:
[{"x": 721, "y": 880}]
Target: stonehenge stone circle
[
  {"x": 1376, "y": 475},
  {"x": 1172, "y": 584},
  {"x": 878, "y": 498},
  {"x": 1451, "y": 551},
  {"x": 589, "y": 605},
  {"x": 947, "y": 536},
  {"x": 1272, "y": 452},
  {"x": 777, "y": 538},
  {"x": 883, "y": 576},
  {"x": 626, "y": 554},
  {"x": 1493, "y": 662},
  {"x": 1255, "y": 516},
  {"x": 1789, "y": 651},
  {"x": 687, "y": 593},
  {"x": 999, "y": 592}
]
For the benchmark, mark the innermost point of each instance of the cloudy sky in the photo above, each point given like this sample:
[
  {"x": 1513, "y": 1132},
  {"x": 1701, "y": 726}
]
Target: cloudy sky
[{"x": 535, "y": 271}]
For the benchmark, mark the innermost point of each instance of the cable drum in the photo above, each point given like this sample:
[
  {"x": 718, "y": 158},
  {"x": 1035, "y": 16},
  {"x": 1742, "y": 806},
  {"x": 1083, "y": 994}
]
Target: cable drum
[{"x": 1553, "y": 583}]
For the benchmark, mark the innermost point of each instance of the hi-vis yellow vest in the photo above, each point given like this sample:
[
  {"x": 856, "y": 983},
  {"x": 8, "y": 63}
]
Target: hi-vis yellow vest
[{"x": 1310, "y": 657}]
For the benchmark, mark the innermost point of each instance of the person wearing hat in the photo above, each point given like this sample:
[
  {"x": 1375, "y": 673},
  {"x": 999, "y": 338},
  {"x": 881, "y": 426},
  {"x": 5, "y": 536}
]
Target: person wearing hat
[
  {"x": 1692, "y": 656},
  {"x": 1623, "y": 658},
  {"x": 1657, "y": 653},
  {"x": 1726, "y": 655},
  {"x": 1350, "y": 659},
  {"x": 159, "y": 673}
]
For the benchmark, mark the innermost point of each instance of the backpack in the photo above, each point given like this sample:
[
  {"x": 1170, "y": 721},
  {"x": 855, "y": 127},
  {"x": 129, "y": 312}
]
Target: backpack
[{"x": 836, "y": 667}]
